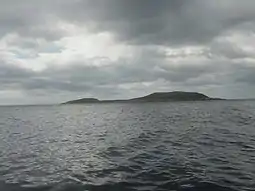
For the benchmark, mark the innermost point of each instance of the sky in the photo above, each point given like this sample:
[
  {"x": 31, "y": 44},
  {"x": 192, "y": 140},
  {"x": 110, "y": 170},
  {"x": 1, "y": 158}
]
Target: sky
[{"x": 52, "y": 51}]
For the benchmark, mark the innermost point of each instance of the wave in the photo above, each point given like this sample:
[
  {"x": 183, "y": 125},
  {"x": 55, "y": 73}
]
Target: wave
[{"x": 120, "y": 186}]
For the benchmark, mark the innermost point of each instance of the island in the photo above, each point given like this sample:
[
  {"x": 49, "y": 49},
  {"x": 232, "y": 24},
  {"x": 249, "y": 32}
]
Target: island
[
  {"x": 92, "y": 100},
  {"x": 173, "y": 96},
  {"x": 83, "y": 100},
  {"x": 154, "y": 97}
]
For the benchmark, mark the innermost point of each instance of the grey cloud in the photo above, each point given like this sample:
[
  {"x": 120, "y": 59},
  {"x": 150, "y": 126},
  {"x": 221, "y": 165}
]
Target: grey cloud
[
  {"x": 54, "y": 84},
  {"x": 80, "y": 77},
  {"x": 13, "y": 74},
  {"x": 229, "y": 50},
  {"x": 170, "y": 22},
  {"x": 24, "y": 43},
  {"x": 245, "y": 74},
  {"x": 249, "y": 78},
  {"x": 30, "y": 18},
  {"x": 109, "y": 81}
]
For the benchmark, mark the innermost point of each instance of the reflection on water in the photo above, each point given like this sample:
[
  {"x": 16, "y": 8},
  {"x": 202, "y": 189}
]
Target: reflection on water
[{"x": 150, "y": 146}]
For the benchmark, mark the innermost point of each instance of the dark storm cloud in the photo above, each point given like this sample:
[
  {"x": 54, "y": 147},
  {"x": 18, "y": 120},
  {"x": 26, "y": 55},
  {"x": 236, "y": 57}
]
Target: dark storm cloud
[
  {"x": 30, "y": 18},
  {"x": 171, "y": 22}
]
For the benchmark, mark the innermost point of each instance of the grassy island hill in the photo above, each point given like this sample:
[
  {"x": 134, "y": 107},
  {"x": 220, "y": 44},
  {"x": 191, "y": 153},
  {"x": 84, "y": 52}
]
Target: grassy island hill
[{"x": 154, "y": 97}]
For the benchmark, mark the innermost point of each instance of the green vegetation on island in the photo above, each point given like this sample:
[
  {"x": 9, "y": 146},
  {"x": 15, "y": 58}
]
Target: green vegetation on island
[
  {"x": 155, "y": 97},
  {"x": 83, "y": 100},
  {"x": 173, "y": 96}
]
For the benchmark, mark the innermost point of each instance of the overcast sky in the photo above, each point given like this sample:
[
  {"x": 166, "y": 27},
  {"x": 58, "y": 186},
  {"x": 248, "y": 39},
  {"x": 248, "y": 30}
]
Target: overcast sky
[{"x": 57, "y": 50}]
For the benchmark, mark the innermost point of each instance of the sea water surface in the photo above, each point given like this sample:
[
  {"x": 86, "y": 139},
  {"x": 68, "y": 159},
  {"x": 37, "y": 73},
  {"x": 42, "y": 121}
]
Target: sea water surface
[{"x": 186, "y": 146}]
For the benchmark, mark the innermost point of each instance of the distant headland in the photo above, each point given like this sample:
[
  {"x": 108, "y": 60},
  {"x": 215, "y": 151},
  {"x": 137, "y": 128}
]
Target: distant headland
[{"x": 154, "y": 97}]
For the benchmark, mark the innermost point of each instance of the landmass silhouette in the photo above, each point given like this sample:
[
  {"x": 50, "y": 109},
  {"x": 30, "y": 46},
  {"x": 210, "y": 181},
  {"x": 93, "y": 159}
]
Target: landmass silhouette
[{"x": 154, "y": 97}]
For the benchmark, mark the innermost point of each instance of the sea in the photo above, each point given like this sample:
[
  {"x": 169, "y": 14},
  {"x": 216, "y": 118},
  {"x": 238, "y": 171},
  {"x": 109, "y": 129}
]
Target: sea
[{"x": 178, "y": 146}]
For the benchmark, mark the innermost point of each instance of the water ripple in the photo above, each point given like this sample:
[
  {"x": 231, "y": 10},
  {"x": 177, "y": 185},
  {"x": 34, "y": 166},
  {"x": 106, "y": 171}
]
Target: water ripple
[{"x": 190, "y": 146}]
